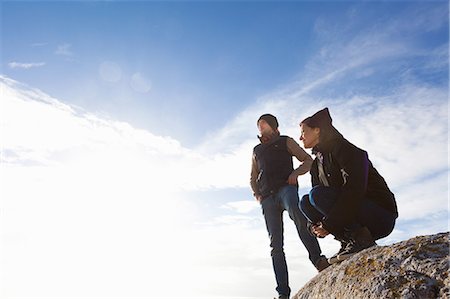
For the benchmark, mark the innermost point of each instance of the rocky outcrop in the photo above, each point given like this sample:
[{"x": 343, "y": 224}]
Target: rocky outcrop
[{"x": 416, "y": 268}]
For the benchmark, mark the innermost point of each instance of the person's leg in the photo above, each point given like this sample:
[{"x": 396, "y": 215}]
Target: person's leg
[
  {"x": 378, "y": 220},
  {"x": 309, "y": 211},
  {"x": 273, "y": 215},
  {"x": 290, "y": 202},
  {"x": 373, "y": 222},
  {"x": 317, "y": 204},
  {"x": 322, "y": 198}
]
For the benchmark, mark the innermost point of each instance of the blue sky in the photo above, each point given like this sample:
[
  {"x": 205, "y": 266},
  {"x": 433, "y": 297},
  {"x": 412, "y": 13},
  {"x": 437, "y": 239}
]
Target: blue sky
[
  {"x": 196, "y": 55},
  {"x": 193, "y": 56},
  {"x": 131, "y": 124}
]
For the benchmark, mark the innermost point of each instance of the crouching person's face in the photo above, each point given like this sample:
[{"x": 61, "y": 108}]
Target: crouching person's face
[{"x": 309, "y": 136}]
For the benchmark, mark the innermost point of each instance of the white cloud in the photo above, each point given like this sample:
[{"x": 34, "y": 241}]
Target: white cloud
[
  {"x": 91, "y": 197},
  {"x": 22, "y": 65},
  {"x": 426, "y": 197},
  {"x": 243, "y": 206},
  {"x": 64, "y": 50}
]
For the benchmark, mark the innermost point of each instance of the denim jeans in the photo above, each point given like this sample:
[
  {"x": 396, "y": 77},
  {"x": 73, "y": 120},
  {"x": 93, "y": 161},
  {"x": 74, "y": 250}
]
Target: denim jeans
[
  {"x": 273, "y": 207},
  {"x": 320, "y": 200}
]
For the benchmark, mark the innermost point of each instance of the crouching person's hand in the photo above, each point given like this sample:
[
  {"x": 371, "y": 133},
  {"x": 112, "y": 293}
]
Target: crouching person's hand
[{"x": 319, "y": 231}]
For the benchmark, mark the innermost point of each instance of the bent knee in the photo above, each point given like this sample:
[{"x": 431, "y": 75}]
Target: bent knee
[
  {"x": 320, "y": 195},
  {"x": 304, "y": 202}
]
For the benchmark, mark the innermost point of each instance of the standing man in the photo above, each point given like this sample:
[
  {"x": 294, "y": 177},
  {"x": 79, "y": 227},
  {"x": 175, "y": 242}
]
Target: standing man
[{"x": 274, "y": 183}]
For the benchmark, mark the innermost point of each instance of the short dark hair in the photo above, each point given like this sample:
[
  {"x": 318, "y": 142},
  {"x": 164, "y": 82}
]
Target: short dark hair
[{"x": 270, "y": 119}]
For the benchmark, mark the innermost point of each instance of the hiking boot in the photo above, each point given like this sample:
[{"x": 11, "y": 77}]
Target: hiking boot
[
  {"x": 281, "y": 296},
  {"x": 322, "y": 263},
  {"x": 360, "y": 239},
  {"x": 334, "y": 258}
]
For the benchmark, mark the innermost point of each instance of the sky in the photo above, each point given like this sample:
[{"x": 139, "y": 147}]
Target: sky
[{"x": 127, "y": 129}]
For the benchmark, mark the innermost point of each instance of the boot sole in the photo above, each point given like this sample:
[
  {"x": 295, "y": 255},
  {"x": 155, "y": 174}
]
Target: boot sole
[
  {"x": 333, "y": 260},
  {"x": 343, "y": 257},
  {"x": 339, "y": 258}
]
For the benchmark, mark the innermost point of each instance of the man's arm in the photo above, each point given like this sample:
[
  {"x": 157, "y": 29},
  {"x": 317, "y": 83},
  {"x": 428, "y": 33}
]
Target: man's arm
[
  {"x": 305, "y": 159},
  {"x": 253, "y": 177}
]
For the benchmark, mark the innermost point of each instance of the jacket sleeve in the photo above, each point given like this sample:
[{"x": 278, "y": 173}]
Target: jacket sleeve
[
  {"x": 301, "y": 155},
  {"x": 353, "y": 163},
  {"x": 314, "y": 174},
  {"x": 254, "y": 176}
]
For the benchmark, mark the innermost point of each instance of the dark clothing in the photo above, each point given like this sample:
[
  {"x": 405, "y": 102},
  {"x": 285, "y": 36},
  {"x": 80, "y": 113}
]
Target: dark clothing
[
  {"x": 275, "y": 165},
  {"x": 348, "y": 169},
  {"x": 286, "y": 199},
  {"x": 320, "y": 201},
  {"x": 280, "y": 177},
  {"x": 271, "y": 167}
]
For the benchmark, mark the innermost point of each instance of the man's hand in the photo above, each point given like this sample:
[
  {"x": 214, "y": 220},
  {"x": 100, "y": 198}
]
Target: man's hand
[
  {"x": 319, "y": 231},
  {"x": 292, "y": 180}
]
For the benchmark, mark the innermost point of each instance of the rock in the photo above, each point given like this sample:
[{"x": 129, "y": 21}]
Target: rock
[{"x": 416, "y": 268}]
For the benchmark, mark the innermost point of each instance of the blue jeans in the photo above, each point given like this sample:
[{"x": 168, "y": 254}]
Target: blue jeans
[
  {"x": 273, "y": 207},
  {"x": 320, "y": 200}
]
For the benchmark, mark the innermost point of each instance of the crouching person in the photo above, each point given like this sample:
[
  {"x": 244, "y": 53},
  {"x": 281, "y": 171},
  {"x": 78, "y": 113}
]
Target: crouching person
[{"x": 349, "y": 198}]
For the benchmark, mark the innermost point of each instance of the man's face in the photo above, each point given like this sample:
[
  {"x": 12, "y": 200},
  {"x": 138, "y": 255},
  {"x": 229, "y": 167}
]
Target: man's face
[{"x": 264, "y": 128}]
